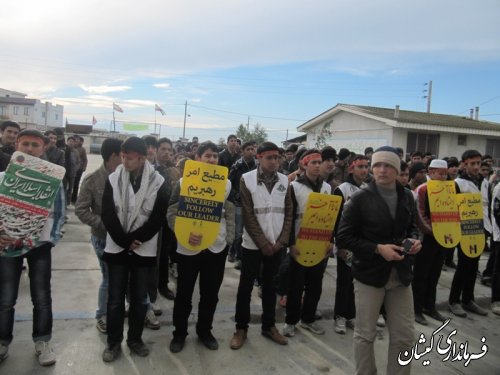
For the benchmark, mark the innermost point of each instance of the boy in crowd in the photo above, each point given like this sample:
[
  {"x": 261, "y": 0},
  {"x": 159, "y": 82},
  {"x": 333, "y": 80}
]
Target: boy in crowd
[
  {"x": 134, "y": 206},
  {"x": 38, "y": 253},
  {"x": 208, "y": 263},
  {"x": 307, "y": 280},
  {"x": 88, "y": 209},
  {"x": 267, "y": 217}
]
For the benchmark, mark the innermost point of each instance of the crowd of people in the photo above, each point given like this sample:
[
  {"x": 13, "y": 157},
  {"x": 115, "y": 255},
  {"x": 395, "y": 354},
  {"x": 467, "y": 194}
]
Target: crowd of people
[{"x": 388, "y": 261}]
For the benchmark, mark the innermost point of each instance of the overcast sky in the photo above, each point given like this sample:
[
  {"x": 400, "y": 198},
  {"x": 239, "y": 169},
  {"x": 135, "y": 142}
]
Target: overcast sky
[{"x": 277, "y": 63}]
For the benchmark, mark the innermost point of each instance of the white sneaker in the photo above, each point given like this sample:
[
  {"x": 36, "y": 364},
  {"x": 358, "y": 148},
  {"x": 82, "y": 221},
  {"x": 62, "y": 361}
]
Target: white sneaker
[
  {"x": 289, "y": 330},
  {"x": 340, "y": 325},
  {"x": 313, "y": 327},
  {"x": 150, "y": 321},
  {"x": 4, "y": 352},
  {"x": 101, "y": 324},
  {"x": 380, "y": 321},
  {"x": 45, "y": 354},
  {"x": 495, "y": 307}
]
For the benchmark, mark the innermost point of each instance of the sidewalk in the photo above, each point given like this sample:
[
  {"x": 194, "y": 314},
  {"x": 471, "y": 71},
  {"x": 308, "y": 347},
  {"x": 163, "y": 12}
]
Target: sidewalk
[{"x": 78, "y": 345}]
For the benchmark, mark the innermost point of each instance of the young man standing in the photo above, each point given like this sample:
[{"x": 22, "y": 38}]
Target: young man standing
[
  {"x": 374, "y": 225},
  {"x": 52, "y": 153},
  {"x": 209, "y": 264},
  {"x": 88, "y": 209},
  {"x": 38, "y": 253},
  {"x": 10, "y": 130},
  {"x": 306, "y": 281},
  {"x": 243, "y": 165},
  {"x": 134, "y": 206},
  {"x": 229, "y": 155},
  {"x": 345, "y": 310},
  {"x": 429, "y": 261},
  {"x": 462, "y": 287},
  {"x": 267, "y": 217},
  {"x": 82, "y": 153}
]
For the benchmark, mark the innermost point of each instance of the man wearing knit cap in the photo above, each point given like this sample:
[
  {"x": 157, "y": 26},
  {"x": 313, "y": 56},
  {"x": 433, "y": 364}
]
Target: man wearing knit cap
[
  {"x": 341, "y": 170},
  {"x": 417, "y": 175},
  {"x": 429, "y": 261},
  {"x": 328, "y": 157},
  {"x": 375, "y": 224}
]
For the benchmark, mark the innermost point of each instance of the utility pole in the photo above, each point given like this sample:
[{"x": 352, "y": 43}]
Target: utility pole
[
  {"x": 248, "y": 123},
  {"x": 429, "y": 96},
  {"x": 185, "y": 115}
]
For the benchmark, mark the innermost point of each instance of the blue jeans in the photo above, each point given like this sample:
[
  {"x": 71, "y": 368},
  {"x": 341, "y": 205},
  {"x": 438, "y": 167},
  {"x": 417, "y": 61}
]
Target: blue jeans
[
  {"x": 119, "y": 275},
  {"x": 102, "y": 301},
  {"x": 39, "y": 265},
  {"x": 238, "y": 233}
]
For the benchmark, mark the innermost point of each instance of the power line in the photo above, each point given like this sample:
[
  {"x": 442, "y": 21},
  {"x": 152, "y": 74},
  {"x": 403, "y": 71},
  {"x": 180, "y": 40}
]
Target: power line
[{"x": 246, "y": 114}]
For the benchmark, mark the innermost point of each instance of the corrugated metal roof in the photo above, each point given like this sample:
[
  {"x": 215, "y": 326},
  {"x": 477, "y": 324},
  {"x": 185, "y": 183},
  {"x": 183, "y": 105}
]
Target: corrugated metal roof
[
  {"x": 20, "y": 101},
  {"x": 414, "y": 117},
  {"x": 407, "y": 118}
]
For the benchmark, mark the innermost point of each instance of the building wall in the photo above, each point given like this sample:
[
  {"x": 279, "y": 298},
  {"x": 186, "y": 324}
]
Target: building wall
[{"x": 351, "y": 131}]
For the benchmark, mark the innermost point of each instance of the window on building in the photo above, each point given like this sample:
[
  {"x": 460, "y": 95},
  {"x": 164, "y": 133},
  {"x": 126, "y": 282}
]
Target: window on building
[
  {"x": 57, "y": 116},
  {"x": 26, "y": 111},
  {"x": 493, "y": 149},
  {"x": 424, "y": 142},
  {"x": 3, "y": 111},
  {"x": 462, "y": 140},
  {"x": 16, "y": 110},
  {"x": 43, "y": 114}
]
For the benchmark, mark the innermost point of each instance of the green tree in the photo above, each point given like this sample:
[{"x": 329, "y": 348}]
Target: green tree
[
  {"x": 258, "y": 134},
  {"x": 325, "y": 133}
]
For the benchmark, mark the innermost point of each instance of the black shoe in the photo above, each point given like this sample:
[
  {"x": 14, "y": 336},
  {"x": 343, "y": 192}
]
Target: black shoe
[
  {"x": 434, "y": 314},
  {"x": 209, "y": 341},
  {"x": 231, "y": 258},
  {"x": 237, "y": 264},
  {"x": 166, "y": 293},
  {"x": 419, "y": 318},
  {"x": 139, "y": 348},
  {"x": 177, "y": 344},
  {"x": 111, "y": 352}
]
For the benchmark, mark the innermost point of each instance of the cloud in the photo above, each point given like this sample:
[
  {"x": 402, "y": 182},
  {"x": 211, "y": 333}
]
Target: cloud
[
  {"x": 162, "y": 85},
  {"x": 230, "y": 34},
  {"x": 103, "y": 89}
]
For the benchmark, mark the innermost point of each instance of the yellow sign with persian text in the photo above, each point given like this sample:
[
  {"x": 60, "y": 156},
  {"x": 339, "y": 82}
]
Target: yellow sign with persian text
[
  {"x": 316, "y": 228},
  {"x": 201, "y": 200},
  {"x": 471, "y": 215},
  {"x": 445, "y": 217}
]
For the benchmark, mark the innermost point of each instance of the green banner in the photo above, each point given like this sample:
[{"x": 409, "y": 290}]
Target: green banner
[{"x": 129, "y": 126}]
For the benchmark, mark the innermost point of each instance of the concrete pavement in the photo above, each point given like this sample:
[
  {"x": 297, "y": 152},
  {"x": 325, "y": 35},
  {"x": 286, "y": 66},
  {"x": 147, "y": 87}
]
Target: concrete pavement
[{"x": 78, "y": 345}]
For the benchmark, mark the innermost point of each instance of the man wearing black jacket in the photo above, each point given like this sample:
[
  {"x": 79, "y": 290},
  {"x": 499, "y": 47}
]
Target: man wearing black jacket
[
  {"x": 374, "y": 225},
  {"x": 134, "y": 208}
]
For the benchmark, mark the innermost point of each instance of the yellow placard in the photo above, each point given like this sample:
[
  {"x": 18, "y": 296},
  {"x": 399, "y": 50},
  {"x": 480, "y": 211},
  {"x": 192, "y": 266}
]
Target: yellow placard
[
  {"x": 445, "y": 217},
  {"x": 316, "y": 228},
  {"x": 471, "y": 216},
  {"x": 201, "y": 201}
]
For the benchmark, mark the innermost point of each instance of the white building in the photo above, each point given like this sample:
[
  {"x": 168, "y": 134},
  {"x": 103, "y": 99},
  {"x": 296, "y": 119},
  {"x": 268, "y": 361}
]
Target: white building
[
  {"x": 356, "y": 127},
  {"x": 29, "y": 113}
]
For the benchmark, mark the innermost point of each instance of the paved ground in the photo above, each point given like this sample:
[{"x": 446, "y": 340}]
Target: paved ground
[{"x": 79, "y": 345}]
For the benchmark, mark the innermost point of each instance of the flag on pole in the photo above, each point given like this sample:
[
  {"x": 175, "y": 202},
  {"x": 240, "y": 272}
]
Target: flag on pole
[
  {"x": 158, "y": 108},
  {"x": 117, "y": 108},
  {"x": 94, "y": 121}
]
